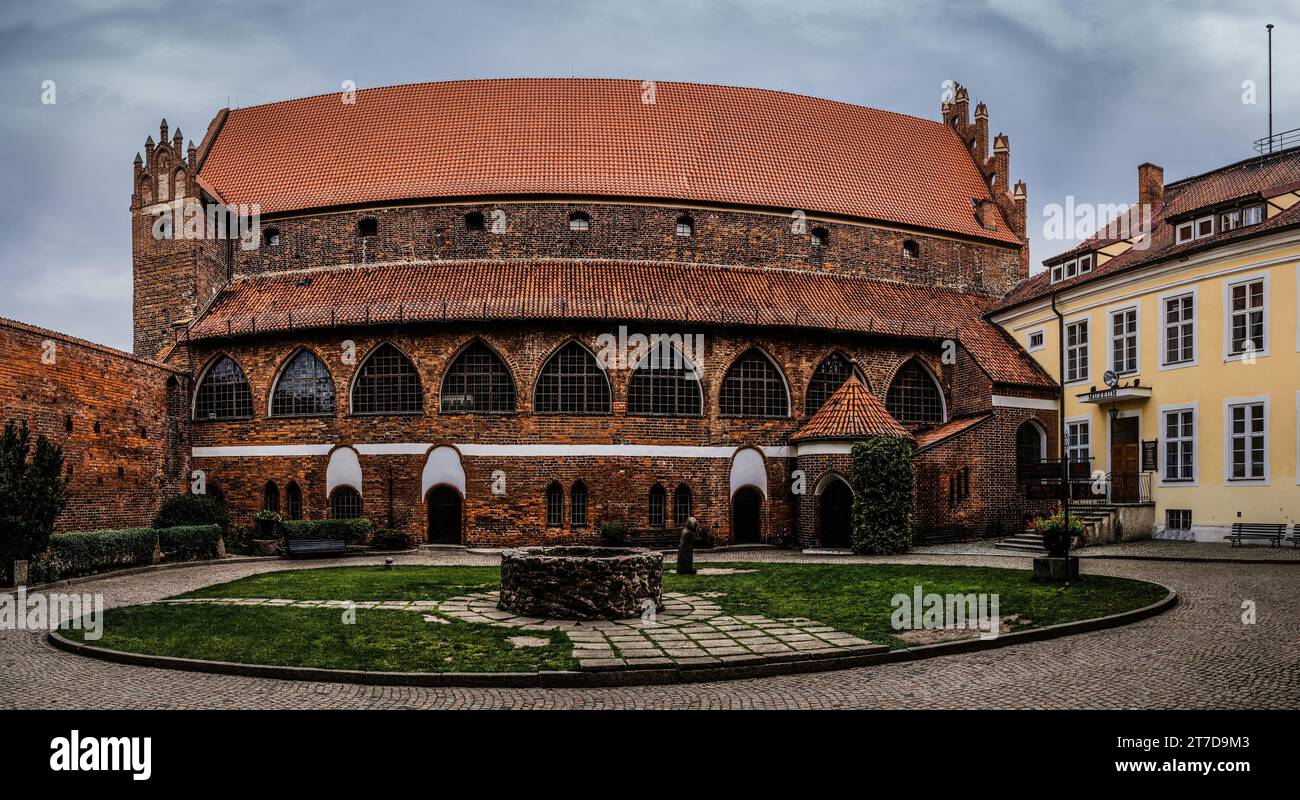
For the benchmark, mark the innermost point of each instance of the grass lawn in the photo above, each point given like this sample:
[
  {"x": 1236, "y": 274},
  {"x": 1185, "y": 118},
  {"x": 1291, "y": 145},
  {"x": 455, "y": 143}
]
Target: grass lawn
[{"x": 850, "y": 597}]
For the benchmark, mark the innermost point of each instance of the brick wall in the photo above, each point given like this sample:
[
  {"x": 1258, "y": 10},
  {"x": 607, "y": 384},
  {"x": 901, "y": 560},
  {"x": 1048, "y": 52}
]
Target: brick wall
[{"x": 123, "y": 429}]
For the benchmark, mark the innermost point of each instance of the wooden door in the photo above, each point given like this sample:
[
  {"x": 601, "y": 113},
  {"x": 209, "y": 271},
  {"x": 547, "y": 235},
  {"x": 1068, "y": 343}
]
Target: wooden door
[{"x": 1125, "y": 459}]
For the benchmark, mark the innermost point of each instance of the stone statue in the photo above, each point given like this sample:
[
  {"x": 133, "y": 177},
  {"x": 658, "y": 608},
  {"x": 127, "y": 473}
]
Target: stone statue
[{"x": 686, "y": 549}]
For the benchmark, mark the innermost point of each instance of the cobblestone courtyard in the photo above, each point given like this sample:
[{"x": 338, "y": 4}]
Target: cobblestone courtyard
[{"x": 1199, "y": 655}]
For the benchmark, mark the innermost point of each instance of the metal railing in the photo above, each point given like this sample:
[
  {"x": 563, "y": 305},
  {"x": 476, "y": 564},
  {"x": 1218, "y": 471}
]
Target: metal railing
[
  {"x": 1278, "y": 141},
  {"x": 1041, "y": 480}
]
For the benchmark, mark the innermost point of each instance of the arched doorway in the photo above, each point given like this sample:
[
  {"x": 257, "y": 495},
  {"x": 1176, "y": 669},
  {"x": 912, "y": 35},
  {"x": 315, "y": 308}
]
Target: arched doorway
[
  {"x": 835, "y": 514},
  {"x": 746, "y": 515},
  {"x": 444, "y": 515}
]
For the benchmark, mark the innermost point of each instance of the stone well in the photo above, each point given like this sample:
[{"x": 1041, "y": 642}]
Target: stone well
[{"x": 581, "y": 582}]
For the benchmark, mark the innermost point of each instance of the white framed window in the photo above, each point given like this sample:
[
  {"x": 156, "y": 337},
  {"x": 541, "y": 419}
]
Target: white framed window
[
  {"x": 1252, "y": 215},
  {"x": 1037, "y": 340},
  {"x": 1085, "y": 264},
  {"x": 1178, "y": 329},
  {"x": 1205, "y": 227},
  {"x": 1076, "y": 351},
  {"x": 1185, "y": 232},
  {"x": 1057, "y": 272},
  {"x": 1178, "y": 519},
  {"x": 1245, "y": 446},
  {"x": 1078, "y": 439},
  {"x": 1071, "y": 267},
  {"x": 1245, "y": 317},
  {"x": 1178, "y": 444},
  {"x": 1124, "y": 340}
]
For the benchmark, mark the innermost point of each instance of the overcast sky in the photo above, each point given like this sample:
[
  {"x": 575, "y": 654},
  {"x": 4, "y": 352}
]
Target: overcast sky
[{"x": 1085, "y": 90}]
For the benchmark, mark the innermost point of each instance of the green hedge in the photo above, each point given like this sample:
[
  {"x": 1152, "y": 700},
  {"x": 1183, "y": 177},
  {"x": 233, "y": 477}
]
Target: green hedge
[
  {"x": 88, "y": 552},
  {"x": 389, "y": 539},
  {"x": 191, "y": 509},
  {"x": 351, "y": 530},
  {"x": 884, "y": 483},
  {"x": 190, "y": 542}
]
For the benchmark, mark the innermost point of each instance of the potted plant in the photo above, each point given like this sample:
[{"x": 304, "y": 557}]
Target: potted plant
[{"x": 1056, "y": 537}]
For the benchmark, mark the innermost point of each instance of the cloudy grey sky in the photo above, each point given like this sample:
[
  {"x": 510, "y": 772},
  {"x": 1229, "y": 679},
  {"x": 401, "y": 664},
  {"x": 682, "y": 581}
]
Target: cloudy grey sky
[{"x": 1086, "y": 90}]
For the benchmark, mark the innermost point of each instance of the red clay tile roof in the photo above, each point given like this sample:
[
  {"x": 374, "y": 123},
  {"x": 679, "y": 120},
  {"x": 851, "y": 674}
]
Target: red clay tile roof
[
  {"x": 595, "y": 137},
  {"x": 672, "y": 293},
  {"x": 941, "y": 433},
  {"x": 1258, "y": 178},
  {"x": 852, "y": 412}
]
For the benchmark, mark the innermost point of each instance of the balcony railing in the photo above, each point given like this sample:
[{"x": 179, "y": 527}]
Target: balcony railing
[{"x": 1042, "y": 481}]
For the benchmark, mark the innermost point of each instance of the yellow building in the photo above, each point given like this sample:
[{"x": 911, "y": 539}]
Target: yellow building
[{"x": 1191, "y": 301}]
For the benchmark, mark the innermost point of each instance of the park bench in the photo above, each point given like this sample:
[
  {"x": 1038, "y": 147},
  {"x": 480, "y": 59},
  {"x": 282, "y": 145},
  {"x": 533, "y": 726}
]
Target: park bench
[
  {"x": 1294, "y": 538},
  {"x": 314, "y": 547},
  {"x": 1257, "y": 531}
]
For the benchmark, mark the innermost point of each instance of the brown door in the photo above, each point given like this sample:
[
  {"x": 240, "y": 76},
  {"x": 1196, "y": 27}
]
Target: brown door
[{"x": 1125, "y": 459}]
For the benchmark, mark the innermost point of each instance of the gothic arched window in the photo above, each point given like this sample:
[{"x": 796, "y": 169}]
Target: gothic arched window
[
  {"x": 914, "y": 397},
  {"x": 478, "y": 381},
  {"x": 753, "y": 387},
  {"x": 572, "y": 383},
  {"x": 304, "y": 388},
  {"x": 387, "y": 384},
  {"x": 223, "y": 393}
]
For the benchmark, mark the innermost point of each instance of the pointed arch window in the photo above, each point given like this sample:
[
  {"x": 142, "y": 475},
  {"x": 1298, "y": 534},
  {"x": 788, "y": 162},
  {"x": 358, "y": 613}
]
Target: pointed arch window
[
  {"x": 271, "y": 497},
  {"x": 478, "y": 381},
  {"x": 554, "y": 506},
  {"x": 681, "y": 505},
  {"x": 578, "y": 505},
  {"x": 753, "y": 387},
  {"x": 223, "y": 393},
  {"x": 304, "y": 388},
  {"x": 293, "y": 501},
  {"x": 829, "y": 376},
  {"x": 658, "y": 499},
  {"x": 387, "y": 384},
  {"x": 572, "y": 383},
  {"x": 914, "y": 397},
  {"x": 663, "y": 384}
]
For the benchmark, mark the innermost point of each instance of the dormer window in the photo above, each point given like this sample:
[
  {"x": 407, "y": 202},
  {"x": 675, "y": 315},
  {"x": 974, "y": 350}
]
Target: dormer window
[
  {"x": 1085, "y": 264},
  {"x": 1252, "y": 215},
  {"x": 1204, "y": 227},
  {"x": 1184, "y": 233},
  {"x": 1230, "y": 220},
  {"x": 1200, "y": 228},
  {"x": 1072, "y": 268}
]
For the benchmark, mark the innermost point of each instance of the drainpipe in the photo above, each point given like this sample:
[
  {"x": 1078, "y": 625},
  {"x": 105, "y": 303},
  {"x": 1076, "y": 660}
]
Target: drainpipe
[{"x": 1060, "y": 418}]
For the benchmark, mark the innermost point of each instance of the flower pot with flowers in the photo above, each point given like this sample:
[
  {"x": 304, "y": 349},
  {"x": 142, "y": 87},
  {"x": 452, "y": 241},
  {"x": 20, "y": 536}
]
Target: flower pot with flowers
[{"x": 1056, "y": 536}]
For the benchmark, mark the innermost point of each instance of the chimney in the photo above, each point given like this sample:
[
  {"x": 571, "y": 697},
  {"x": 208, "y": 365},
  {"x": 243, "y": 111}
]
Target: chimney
[
  {"x": 1151, "y": 185},
  {"x": 961, "y": 106},
  {"x": 1001, "y": 162},
  {"x": 981, "y": 133}
]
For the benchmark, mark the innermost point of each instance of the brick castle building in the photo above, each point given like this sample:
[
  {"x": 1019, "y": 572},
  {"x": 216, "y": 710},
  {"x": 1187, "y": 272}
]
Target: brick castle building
[{"x": 503, "y": 311}]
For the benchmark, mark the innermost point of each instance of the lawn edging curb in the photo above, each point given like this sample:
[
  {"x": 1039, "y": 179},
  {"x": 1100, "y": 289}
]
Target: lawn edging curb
[{"x": 744, "y": 667}]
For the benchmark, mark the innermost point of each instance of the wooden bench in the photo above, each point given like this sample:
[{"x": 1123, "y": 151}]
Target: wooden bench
[
  {"x": 1257, "y": 531},
  {"x": 314, "y": 547}
]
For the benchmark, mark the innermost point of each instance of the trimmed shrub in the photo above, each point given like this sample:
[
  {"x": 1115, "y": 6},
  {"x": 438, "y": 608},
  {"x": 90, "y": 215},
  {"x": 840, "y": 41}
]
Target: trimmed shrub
[
  {"x": 87, "y": 552},
  {"x": 238, "y": 540},
  {"x": 884, "y": 485},
  {"x": 266, "y": 524},
  {"x": 614, "y": 531},
  {"x": 191, "y": 509},
  {"x": 350, "y": 530},
  {"x": 190, "y": 542},
  {"x": 389, "y": 539}
]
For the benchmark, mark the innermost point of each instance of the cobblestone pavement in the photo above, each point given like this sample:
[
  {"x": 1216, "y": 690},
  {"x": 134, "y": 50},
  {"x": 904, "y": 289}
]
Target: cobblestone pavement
[
  {"x": 1198, "y": 655},
  {"x": 1140, "y": 548}
]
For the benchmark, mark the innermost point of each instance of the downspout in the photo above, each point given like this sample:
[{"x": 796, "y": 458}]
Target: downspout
[{"x": 1060, "y": 418}]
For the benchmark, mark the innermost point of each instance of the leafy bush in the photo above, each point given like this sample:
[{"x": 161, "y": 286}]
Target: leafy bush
[
  {"x": 32, "y": 493},
  {"x": 884, "y": 484},
  {"x": 88, "y": 552},
  {"x": 190, "y": 542},
  {"x": 267, "y": 524},
  {"x": 239, "y": 540},
  {"x": 1052, "y": 529},
  {"x": 614, "y": 531},
  {"x": 350, "y": 530},
  {"x": 191, "y": 509},
  {"x": 389, "y": 539}
]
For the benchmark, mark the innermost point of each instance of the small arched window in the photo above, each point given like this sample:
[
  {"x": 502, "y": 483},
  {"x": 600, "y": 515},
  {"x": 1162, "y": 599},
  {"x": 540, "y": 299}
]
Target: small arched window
[
  {"x": 579, "y": 221},
  {"x": 271, "y": 237},
  {"x": 478, "y": 381},
  {"x": 368, "y": 227},
  {"x": 1031, "y": 448},
  {"x": 829, "y": 376},
  {"x": 685, "y": 226},
  {"x": 271, "y": 497},
  {"x": 474, "y": 221},
  {"x": 914, "y": 397},
  {"x": 753, "y": 387},
  {"x": 345, "y": 503},
  {"x": 293, "y": 501},
  {"x": 658, "y": 499},
  {"x": 554, "y": 506},
  {"x": 223, "y": 393},
  {"x": 387, "y": 384},
  {"x": 572, "y": 382},
  {"x": 578, "y": 505},
  {"x": 304, "y": 388},
  {"x": 664, "y": 384},
  {"x": 681, "y": 505},
  {"x": 820, "y": 237},
  {"x": 911, "y": 250}
]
